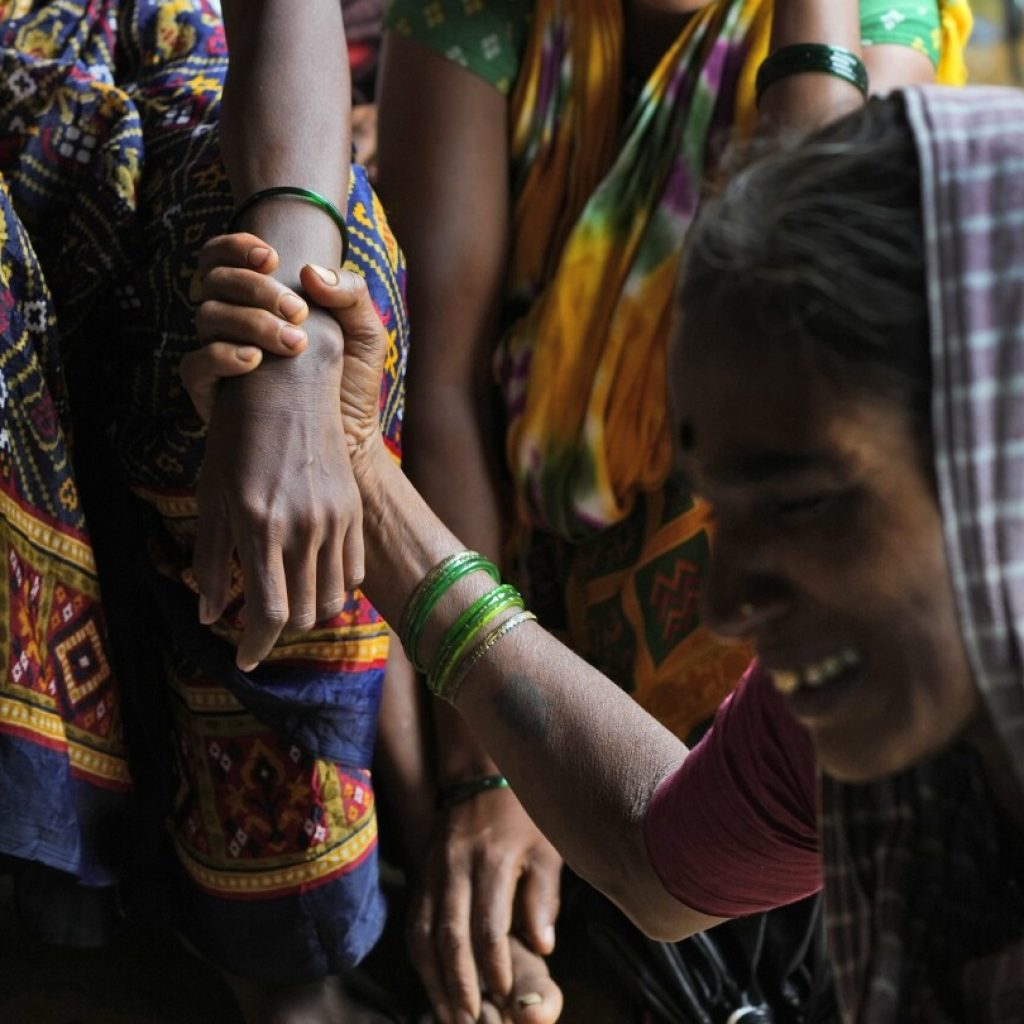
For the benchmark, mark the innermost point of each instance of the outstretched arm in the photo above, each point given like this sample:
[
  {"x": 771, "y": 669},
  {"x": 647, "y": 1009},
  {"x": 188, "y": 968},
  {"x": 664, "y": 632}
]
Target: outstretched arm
[{"x": 276, "y": 485}]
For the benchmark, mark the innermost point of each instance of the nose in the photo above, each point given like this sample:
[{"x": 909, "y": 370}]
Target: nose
[{"x": 743, "y": 594}]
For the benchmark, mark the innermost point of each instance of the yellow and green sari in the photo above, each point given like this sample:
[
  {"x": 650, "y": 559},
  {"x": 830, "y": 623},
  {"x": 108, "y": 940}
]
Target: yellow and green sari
[{"x": 611, "y": 548}]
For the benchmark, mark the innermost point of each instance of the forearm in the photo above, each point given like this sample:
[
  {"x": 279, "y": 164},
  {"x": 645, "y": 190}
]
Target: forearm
[
  {"x": 450, "y": 457},
  {"x": 582, "y": 757},
  {"x": 285, "y": 121}
]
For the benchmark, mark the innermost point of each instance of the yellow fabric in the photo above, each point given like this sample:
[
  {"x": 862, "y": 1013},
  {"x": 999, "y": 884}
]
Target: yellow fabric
[{"x": 587, "y": 406}]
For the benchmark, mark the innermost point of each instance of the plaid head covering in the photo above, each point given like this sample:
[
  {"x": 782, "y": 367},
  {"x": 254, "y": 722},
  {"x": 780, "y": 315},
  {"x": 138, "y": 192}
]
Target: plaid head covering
[
  {"x": 971, "y": 151},
  {"x": 925, "y": 905}
]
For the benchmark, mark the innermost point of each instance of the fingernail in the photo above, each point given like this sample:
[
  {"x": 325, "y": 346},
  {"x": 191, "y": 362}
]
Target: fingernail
[
  {"x": 548, "y": 936},
  {"x": 290, "y": 305},
  {"x": 292, "y": 336},
  {"x": 530, "y": 999},
  {"x": 257, "y": 256},
  {"x": 247, "y": 353},
  {"x": 325, "y": 275},
  {"x": 465, "y": 1017},
  {"x": 205, "y": 612}
]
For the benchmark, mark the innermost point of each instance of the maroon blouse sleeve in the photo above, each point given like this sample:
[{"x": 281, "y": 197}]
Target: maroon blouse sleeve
[{"x": 734, "y": 829}]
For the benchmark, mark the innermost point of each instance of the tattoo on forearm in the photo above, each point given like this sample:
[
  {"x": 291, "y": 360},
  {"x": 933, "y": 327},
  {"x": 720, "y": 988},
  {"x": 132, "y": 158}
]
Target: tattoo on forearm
[{"x": 524, "y": 709}]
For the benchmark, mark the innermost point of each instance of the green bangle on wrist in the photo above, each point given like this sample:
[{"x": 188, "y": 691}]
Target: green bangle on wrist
[
  {"x": 431, "y": 589},
  {"x": 459, "y": 792},
  {"x": 294, "y": 192},
  {"x": 821, "y": 58}
]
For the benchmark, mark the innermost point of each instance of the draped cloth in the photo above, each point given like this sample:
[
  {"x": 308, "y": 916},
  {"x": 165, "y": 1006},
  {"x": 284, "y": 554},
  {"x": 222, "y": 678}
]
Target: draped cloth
[
  {"x": 110, "y": 182},
  {"x": 610, "y": 546},
  {"x": 924, "y": 887}
]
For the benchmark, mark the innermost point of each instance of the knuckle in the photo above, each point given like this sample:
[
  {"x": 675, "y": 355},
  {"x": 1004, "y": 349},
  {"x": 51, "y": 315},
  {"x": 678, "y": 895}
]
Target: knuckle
[{"x": 450, "y": 937}]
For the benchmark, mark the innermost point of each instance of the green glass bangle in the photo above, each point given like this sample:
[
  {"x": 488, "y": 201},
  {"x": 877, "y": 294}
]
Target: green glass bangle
[
  {"x": 294, "y": 192},
  {"x": 465, "y": 628},
  {"x": 802, "y": 58},
  {"x": 431, "y": 589},
  {"x": 459, "y": 792},
  {"x": 454, "y": 681}
]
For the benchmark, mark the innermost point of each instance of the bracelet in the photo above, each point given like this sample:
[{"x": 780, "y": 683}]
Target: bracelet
[
  {"x": 812, "y": 57},
  {"x": 459, "y": 792},
  {"x": 467, "y": 626},
  {"x": 430, "y": 590},
  {"x": 294, "y": 192},
  {"x": 457, "y": 677}
]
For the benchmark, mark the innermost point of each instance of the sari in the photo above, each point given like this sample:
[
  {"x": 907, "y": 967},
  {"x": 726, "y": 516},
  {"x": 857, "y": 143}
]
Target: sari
[
  {"x": 256, "y": 786},
  {"x": 603, "y": 200}
]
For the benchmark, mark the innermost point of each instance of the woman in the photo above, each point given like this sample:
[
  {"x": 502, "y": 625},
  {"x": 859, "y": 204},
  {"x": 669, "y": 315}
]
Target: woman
[
  {"x": 865, "y": 478},
  {"x": 542, "y": 161},
  {"x": 118, "y": 161}
]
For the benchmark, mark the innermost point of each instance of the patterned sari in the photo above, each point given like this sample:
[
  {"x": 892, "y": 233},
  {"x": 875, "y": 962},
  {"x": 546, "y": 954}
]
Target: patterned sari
[
  {"x": 603, "y": 200},
  {"x": 110, "y": 181}
]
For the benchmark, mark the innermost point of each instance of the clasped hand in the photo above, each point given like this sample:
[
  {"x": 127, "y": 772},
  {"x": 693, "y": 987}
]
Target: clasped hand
[{"x": 277, "y": 485}]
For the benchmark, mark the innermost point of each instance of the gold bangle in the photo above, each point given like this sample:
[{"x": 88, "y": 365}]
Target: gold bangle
[{"x": 456, "y": 678}]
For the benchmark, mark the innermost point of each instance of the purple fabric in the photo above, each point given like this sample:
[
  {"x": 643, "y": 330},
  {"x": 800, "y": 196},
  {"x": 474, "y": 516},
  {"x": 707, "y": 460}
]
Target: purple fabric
[
  {"x": 748, "y": 794},
  {"x": 971, "y": 149}
]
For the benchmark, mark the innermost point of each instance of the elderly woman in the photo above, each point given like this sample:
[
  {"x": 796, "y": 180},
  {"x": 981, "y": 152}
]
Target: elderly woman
[{"x": 864, "y": 467}]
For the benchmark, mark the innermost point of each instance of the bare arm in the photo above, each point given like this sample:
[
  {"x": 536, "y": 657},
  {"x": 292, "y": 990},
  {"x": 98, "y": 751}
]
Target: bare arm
[
  {"x": 807, "y": 100},
  {"x": 276, "y": 485}
]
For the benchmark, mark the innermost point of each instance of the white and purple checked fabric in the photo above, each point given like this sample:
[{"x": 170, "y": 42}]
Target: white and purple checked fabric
[{"x": 971, "y": 148}]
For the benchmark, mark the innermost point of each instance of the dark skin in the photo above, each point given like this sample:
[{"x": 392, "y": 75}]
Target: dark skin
[
  {"x": 293, "y": 520},
  {"x": 457, "y": 239},
  {"x": 459, "y": 936}
]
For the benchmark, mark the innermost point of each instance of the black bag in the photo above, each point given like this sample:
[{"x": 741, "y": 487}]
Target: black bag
[{"x": 765, "y": 969}]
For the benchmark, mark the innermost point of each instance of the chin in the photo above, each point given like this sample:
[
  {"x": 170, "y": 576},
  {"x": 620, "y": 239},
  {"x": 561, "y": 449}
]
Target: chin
[{"x": 857, "y": 759}]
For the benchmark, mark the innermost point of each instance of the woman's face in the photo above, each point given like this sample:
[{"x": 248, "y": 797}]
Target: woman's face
[{"x": 828, "y": 552}]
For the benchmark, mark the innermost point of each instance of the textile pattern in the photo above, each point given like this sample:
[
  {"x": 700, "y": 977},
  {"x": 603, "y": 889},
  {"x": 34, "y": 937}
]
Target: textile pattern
[{"x": 109, "y": 149}]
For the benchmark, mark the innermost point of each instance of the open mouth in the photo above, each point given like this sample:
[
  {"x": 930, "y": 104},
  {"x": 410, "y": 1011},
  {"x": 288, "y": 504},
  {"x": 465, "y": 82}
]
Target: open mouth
[{"x": 816, "y": 674}]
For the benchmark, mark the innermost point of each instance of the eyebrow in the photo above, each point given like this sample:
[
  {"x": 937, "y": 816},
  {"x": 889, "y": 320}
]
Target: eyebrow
[{"x": 757, "y": 467}]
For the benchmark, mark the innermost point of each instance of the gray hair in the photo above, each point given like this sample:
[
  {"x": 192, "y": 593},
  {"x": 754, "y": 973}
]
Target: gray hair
[{"x": 817, "y": 245}]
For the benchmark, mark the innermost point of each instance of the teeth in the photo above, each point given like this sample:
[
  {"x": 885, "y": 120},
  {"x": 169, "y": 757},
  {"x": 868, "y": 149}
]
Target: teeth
[
  {"x": 817, "y": 674},
  {"x": 786, "y": 682}
]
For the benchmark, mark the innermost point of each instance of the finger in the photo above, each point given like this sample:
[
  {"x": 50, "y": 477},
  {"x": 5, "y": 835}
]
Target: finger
[
  {"x": 266, "y": 595},
  {"x": 211, "y": 562},
  {"x": 494, "y": 894},
  {"x": 420, "y": 939},
  {"x": 353, "y": 552},
  {"x": 535, "y": 998},
  {"x": 223, "y": 321},
  {"x": 454, "y": 945},
  {"x": 300, "y": 563},
  {"x": 347, "y": 298},
  {"x": 330, "y": 581},
  {"x": 539, "y": 899},
  {"x": 247, "y": 288},
  {"x": 202, "y": 371},
  {"x": 239, "y": 249}
]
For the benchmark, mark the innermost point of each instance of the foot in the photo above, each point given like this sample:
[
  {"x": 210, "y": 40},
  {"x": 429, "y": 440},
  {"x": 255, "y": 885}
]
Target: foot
[{"x": 535, "y": 998}]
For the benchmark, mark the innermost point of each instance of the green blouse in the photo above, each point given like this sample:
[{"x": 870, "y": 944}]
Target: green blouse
[{"x": 487, "y": 36}]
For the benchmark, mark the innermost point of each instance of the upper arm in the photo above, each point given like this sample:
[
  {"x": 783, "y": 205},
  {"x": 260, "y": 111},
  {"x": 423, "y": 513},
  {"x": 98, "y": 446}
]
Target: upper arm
[
  {"x": 900, "y": 42},
  {"x": 734, "y": 829},
  {"x": 443, "y": 177}
]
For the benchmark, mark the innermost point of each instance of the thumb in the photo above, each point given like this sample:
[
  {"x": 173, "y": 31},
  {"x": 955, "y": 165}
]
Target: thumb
[{"x": 347, "y": 298}]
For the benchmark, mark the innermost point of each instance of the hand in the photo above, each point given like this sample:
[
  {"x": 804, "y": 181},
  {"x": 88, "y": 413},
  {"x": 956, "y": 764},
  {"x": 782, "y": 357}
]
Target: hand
[
  {"x": 488, "y": 871},
  {"x": 276, "y": 484}
]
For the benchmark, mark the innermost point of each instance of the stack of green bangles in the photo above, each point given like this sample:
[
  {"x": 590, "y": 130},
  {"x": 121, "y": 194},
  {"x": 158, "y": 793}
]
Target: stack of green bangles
[{"x": 474, "y": 632}]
